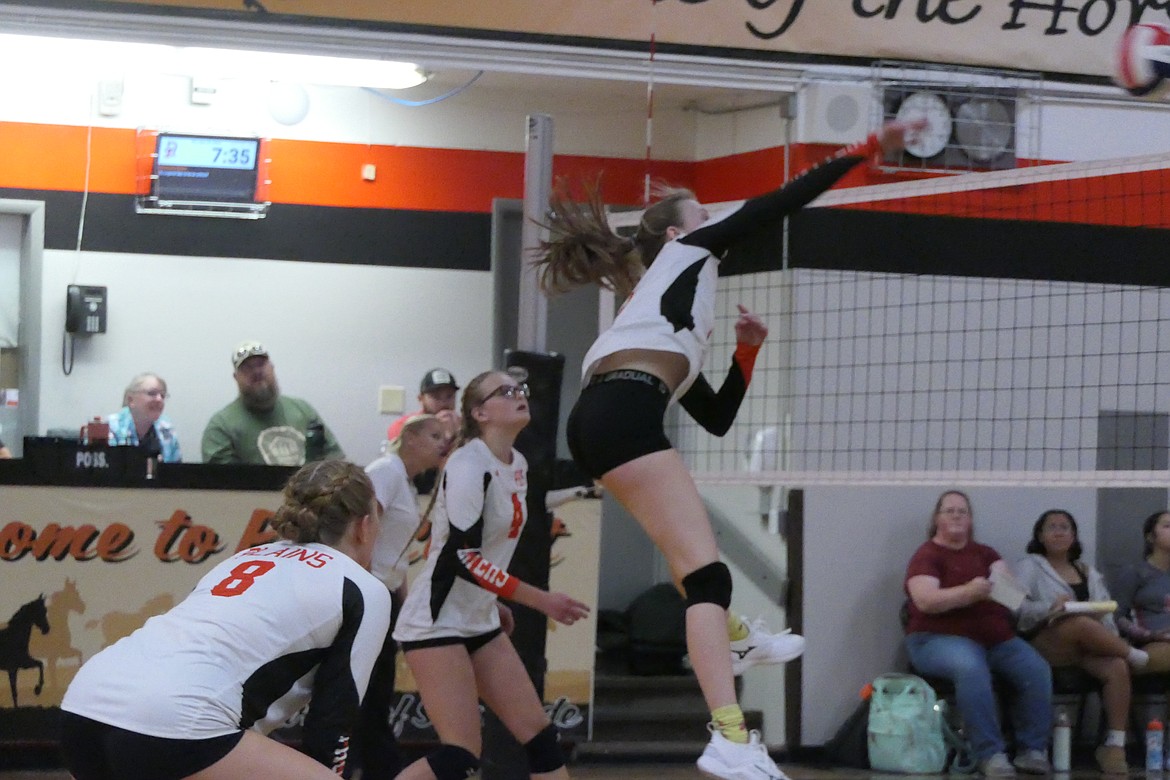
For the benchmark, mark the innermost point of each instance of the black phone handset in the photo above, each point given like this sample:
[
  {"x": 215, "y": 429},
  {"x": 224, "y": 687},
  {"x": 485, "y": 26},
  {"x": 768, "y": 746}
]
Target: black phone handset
[{"x": 85, "y": 309}]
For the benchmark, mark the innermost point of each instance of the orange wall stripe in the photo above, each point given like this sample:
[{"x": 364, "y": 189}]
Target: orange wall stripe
[
  {"x": 1135, "y": 199},
  {"x": 740, "y": 176},
  {"x": 52, "y": 157}
]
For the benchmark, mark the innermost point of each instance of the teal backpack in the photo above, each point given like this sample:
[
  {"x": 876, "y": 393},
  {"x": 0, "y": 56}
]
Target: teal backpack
[{"x": 908, "y": 733}]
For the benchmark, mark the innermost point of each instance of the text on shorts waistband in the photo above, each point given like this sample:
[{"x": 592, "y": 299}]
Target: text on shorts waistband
[{"x": 630, "y": 375}]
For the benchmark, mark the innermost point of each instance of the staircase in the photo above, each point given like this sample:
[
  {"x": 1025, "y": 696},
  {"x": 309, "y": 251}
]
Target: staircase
[{"x": 648, "y": 719}]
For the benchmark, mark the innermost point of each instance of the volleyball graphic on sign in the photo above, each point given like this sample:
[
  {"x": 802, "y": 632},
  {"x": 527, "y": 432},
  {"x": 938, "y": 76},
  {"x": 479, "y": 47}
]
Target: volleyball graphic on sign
[{"x": 1143, "y": 60}]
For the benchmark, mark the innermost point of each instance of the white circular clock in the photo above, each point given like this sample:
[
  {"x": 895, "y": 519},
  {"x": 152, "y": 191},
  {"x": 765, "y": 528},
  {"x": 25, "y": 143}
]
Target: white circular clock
[{"x": 933, "y": 138}]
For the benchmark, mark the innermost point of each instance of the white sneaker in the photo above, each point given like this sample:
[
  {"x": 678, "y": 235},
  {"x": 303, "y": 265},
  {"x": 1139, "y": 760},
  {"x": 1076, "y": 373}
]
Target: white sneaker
[
  {"x": 729, "y": 760},
  {"x": 761, "y": 646}
]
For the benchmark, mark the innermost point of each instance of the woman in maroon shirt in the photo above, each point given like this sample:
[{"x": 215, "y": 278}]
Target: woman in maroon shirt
[{"x": 957, "y": 632}]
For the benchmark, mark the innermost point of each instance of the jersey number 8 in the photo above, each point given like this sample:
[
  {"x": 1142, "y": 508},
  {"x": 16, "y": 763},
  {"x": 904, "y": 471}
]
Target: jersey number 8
[{"x": 241, "y": 578}]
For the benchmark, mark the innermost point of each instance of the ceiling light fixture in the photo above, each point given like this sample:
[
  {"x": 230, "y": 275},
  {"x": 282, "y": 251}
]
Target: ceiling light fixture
[
  {"x": 305, "y": 68},
  {"x": 70, "y": 56}
]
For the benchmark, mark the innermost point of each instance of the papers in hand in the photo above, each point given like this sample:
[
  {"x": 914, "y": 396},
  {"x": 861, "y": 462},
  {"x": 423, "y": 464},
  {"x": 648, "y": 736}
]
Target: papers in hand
[
  {"x": 1005, "y": 590},
  {"x": 1090, "y": 607}
]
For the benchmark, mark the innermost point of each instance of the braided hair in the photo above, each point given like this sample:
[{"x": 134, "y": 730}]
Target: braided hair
[{"x": 321, "y": 500}]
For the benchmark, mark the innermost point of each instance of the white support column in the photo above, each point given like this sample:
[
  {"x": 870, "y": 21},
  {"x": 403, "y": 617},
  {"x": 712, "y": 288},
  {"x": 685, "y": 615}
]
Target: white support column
[{"x": 532, "y": 320}]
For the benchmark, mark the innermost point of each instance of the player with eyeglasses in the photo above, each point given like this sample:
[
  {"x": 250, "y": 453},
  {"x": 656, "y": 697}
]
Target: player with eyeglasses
[
  {"x": 510, "y": 391},
  {"x": 452, "y": 627}
]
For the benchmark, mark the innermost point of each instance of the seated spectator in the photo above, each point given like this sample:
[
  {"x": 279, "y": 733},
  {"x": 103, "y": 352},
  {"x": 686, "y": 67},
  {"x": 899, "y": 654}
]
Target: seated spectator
[
  {"x": 262, "y": 426},
  {"x": 436, "y": 396},
  {"x": 1053, "y": 574},
  {"x": 955, "y": 631},
  {"x": 1143, "y": 595},
  {"x": 140, "y": 422}
]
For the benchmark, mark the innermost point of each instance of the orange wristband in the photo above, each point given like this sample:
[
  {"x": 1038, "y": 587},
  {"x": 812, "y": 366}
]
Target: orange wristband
[{"x": 745, "y": 358}]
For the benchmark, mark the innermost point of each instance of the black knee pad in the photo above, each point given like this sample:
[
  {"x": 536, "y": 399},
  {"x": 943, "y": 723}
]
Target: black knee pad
[
  {"x": 544, "y": 751},
  {"x": 709, "y": 585},
  {"x": 451, "y": 762}
]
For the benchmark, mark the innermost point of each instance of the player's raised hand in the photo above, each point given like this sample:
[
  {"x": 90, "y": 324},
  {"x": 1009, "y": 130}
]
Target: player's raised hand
[
  {"x": 749, "y": 328},
  {"x": 893, "y": 135}
]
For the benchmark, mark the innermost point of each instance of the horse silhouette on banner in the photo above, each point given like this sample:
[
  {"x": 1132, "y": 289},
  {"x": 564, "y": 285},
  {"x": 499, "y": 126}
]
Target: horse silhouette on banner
[
  {"x": 14, "y": 639},
  {"x": 57, "y": 645}
]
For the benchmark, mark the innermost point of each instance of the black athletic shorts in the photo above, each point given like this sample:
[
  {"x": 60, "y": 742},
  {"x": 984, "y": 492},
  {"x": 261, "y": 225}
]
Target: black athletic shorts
[
  {"x": 99, "y": 751},
  {"x": 617, "y": 419},
  {"x": 472, "y": 643}
]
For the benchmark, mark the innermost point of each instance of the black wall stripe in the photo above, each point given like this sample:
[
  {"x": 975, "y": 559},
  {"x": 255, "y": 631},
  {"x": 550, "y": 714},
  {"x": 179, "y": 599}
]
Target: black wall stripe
[
  {"x": 360, "y": 236},
  {"x": 839, "y": 239}
]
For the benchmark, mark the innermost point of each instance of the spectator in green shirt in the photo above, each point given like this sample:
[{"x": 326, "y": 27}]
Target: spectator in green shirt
[{"x": 261, "y": 426}]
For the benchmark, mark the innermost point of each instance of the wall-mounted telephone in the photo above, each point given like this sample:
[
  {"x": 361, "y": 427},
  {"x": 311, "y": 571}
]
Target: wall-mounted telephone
[{"x": 85, "y": 309}]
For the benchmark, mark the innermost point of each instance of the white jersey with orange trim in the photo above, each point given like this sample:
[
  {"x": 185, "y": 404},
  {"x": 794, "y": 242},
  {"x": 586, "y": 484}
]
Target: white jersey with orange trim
[
  {"x": 400, "y": 519},
  {"x": 672, "y": 308},
  {"x": 261, "y": 634},
  {"x": 478, "y": 516}
]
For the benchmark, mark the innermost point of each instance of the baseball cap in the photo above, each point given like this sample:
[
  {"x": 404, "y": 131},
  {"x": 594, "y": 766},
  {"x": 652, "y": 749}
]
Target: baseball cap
[
  {"x": 435, "y": 378},
  {"x": 246, "y": 350}
]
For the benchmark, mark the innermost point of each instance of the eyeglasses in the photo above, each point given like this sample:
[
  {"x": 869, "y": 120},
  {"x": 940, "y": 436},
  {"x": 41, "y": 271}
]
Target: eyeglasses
[
  {"x": 955, "y": 510},
  {"x": 507, "y": 391},
  {"x": 154, "y": 394}
]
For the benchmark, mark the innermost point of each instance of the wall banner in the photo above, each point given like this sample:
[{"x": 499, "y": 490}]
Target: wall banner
[
  {"x": 1061, "y": 36},
  {"x": 83, "y": 567}
]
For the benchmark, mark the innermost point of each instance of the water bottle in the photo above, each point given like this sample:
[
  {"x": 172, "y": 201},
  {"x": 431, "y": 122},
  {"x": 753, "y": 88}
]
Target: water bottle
[
  {"x": 1154, "y": 746},
  {"x": 315, "y": 441},
  {"x": 1062, "y": 743}
]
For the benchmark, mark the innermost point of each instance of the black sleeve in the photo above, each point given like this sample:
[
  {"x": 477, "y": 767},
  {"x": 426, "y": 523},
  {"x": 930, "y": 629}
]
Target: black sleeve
[
  {"x": 716, "y": 411},
  {"x": 765, "y": 210},
  {"x": 340, "y": 683}
]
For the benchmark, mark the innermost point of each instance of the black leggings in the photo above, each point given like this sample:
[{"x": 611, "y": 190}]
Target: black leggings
[
  {"x": 617, "y": 419},
  {"x": 377, "y": 746},
  {"x": 99, "y": 751}
]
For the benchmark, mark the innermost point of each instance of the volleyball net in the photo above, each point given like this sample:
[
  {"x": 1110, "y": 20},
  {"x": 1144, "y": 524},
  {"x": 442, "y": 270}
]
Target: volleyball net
[{"x": 1006, "y": 327}]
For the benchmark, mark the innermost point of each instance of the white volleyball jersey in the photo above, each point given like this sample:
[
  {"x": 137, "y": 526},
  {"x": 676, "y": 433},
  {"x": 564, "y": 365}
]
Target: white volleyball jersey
[
  {"x": 261, "y": 633},
  {"x": 671, "y": 309},
  {"x": 477, "y": 520},
  {"x": 400, "y": 519}
]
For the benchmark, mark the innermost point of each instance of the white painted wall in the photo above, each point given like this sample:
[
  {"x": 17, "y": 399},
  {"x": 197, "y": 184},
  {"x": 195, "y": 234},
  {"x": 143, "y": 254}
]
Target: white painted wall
[
  {"x": 334, "y": 332},
  {"x": 482, "y": 118}
]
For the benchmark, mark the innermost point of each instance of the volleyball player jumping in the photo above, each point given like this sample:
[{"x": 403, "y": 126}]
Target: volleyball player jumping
[{"x": 652, "y": 356}]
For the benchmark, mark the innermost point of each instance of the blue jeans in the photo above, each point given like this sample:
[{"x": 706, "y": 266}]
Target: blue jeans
[{"x": 969, "y": 665}]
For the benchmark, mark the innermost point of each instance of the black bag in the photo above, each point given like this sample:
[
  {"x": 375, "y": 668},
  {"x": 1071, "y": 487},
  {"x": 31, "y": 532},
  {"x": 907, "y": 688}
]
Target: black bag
[
  {"x": 849, "y": 747},
  {"x": 658, "y": 631}
]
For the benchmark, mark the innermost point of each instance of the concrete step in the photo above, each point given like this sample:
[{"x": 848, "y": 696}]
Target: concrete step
[
  {"x": 632, "y": 689},
  {"x": 620, "y": 723},
  {"x": 638, "y": 751}
]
